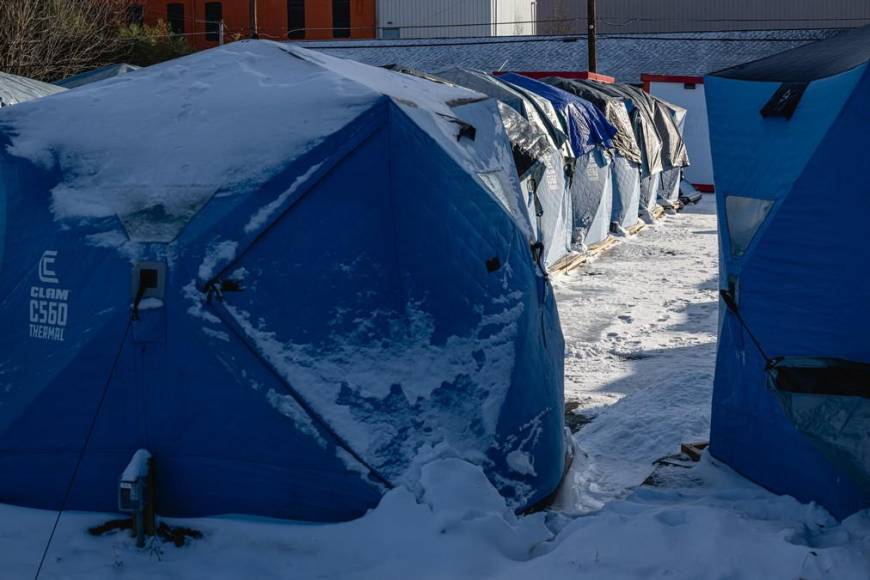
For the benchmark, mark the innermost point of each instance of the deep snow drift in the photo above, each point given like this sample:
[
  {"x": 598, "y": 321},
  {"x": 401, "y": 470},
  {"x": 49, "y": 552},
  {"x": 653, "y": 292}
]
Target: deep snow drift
[{"x": 640, "y": 325}]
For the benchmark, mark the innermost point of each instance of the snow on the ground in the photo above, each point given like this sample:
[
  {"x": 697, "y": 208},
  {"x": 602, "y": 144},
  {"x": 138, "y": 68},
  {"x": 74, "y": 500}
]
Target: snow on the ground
[{"x": 640, "y": 327}]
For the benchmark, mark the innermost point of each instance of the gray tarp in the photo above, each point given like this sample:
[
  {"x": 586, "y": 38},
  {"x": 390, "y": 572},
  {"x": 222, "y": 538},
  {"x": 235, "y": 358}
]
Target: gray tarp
[
  {"x": 614, "y": 110},
  {"x": 674, "y": 153},
  {"x": 642, "y": 115},
  {"x": 550, "y": 117},
  {"x": 484, "y": 83},
  {"x": 490, "y": 86},
  {"x": 538, "y": 159},
  {"x": 542, "y": 174},
  {"x": 15, "y": 89}
]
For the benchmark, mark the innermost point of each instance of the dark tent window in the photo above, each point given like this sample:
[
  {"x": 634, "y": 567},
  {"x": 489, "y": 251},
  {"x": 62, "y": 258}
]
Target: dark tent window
[
  {"x": 175, "y": 17},
  {"x": 135, "y": 14},
  {"x": 295, "y": 18},
  {"x": 214, "y": 13},
  {"x": 822, "y": 376},
  {"x": 341, "y": 18}
]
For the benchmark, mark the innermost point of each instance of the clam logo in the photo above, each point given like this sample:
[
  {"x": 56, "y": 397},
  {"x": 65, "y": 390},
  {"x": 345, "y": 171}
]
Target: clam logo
[
  {"x": 46, "y": 272},
  {"x": 49, "y": 305}
]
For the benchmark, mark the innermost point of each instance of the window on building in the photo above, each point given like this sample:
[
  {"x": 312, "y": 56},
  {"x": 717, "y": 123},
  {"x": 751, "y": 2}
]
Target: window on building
[
  {"x": 135, "y": 14},
  {"x": 175, "y": 17},
  {"x": 341, "y": 18},
  {"x": 214, "y": 13},
  {"x": 295, "y": 18},
  {"x": 689, "y": 86}
]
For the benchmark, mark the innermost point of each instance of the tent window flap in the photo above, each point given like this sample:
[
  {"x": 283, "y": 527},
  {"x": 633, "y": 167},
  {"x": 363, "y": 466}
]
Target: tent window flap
[
  {"x": 745, "y": 216},
  {"x": 820, "y": 376}
]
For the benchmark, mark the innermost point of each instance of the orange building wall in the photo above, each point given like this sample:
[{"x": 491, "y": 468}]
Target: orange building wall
[{"x": 271, "y": 19}]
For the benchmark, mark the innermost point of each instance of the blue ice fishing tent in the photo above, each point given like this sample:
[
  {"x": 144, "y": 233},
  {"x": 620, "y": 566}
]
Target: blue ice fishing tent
[
  {"x": 590, "y": 137},
  {"x": 293, "y": 279},
  {"x": 791, "y": 405}
]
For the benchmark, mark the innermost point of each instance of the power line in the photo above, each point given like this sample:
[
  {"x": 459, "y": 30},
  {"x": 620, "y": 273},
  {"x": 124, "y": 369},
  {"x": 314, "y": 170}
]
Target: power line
[
  {"x": 84, "y": 448},
  {"x": 414, "y": 43},
  {"x": 546, "y": 21}
]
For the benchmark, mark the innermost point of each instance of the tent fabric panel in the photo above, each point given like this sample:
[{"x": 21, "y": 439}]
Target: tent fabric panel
[
  {"x": 751, "y": 432},
  {"x": 766, "y": 156},
  {"x": 811, "y": 299},
  {"x": 669, "y": 190},
  {"x": 838, "y": 426},
  {"x": 448, "y": 273},
  {"x": 488, "y": 156},
  {"x": 592, "y": 198},
  {"x": 543, "y": 185},
  {"x": 649, "y": 191},
  {"x": 758, "y": 157},
  {"x": 626, "y": 191},
  {"x": 556, "y": 203}
]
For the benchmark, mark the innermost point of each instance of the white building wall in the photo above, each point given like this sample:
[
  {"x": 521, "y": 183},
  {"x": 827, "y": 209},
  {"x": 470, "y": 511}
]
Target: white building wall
[
  {"x": 628, "y": 16},
  {"x": 514, "y": 17},
  {"x": 452, "y": 19},
  {"x": 696, "y": 132}
]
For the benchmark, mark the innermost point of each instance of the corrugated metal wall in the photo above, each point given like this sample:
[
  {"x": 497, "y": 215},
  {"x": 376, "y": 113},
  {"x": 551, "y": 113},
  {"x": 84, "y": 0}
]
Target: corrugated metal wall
[
  {"x": 614, "y": 16},
  {"x": 455, "y": 18}
]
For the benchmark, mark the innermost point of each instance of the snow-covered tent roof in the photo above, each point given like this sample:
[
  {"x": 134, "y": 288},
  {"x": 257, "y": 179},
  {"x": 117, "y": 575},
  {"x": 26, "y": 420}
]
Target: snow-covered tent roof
[
  {"x": 302, "y": 279},
  {"x": 106, "y": 72},
  {"x": 15, "y": 89}
]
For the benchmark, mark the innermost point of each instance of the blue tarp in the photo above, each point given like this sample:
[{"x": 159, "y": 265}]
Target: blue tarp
[
  {"x": 587, "y": 126},
  {"x": 290, "y": 317},
  {"x": 794, "y": 265}
]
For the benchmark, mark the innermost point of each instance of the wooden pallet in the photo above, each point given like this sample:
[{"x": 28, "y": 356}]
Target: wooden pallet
[
  {"x": 576, "y": 259},
  {"x": 689, "y": 455},
  {"x": 636, "y": 228}
]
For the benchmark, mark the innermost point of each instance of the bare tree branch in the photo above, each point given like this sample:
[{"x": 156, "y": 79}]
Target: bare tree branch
[{"x": 53, "y": 39}]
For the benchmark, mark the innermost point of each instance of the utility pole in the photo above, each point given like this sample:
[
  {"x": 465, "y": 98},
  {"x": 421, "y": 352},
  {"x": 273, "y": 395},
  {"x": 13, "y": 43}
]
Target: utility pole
[
  {"x": 252, "y": 18},
  {"x": 590, "y": 38}
]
